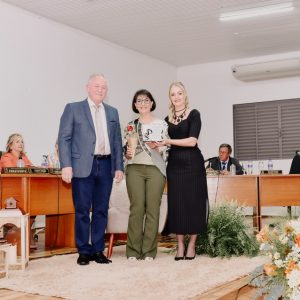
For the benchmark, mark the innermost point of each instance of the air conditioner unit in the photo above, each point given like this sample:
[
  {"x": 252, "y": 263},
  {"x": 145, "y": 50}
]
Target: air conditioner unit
[{"x": 267, "y": 70}]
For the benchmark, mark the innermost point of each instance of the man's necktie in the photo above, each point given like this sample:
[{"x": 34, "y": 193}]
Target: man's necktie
[
  {"x": 100, "y": 131},
  {"x": 223, "y": 165}
]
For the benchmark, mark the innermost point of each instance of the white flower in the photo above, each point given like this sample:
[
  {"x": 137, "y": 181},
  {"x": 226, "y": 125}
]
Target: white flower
[
  {"x": 294, "y": 254},
  {"x": 295, "y": 224},
  {"x": 295, "y": 295},
  {"x": 276, "y": 255},
  {"x": 264, "y": 247},
  {"x": 296, "y": 248},
  {"x": 294, "y": 278},
  {"x": 278, "y": 263},
  {"x": 283, "y": 239}
]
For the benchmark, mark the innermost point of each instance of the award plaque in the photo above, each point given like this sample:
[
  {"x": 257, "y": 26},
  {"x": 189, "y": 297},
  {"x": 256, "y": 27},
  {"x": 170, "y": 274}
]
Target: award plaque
[{"x": 152, "y": 132}]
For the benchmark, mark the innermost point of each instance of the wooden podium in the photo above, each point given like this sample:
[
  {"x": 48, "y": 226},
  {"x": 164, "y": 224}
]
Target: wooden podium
[{"x": 43, "y": 195}]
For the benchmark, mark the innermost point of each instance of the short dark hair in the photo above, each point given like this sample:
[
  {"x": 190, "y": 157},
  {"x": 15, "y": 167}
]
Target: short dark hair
[
  {"x": 226, "y": 146},
  {"x": 146, "y": 93}
]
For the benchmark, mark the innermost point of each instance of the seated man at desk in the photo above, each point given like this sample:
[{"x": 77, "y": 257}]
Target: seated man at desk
[{"x": 223, "y": 162}]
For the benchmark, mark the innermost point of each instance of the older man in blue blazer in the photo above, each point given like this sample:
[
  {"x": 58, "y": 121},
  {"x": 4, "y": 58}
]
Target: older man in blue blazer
[{"x": 90, "y": 152}]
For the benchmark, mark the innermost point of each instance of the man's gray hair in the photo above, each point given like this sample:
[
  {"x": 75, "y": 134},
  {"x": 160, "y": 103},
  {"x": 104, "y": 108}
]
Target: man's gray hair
[{"x": 96, "y": 75}]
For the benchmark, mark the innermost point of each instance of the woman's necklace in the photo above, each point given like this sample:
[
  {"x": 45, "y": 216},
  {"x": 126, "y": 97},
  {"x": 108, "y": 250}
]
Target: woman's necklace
[{"x": 179, "y": 118}]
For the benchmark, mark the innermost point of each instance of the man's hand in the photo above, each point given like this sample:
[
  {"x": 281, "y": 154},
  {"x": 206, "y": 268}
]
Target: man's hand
[
  {"x": 118, "y": 176},
  {"x": 67, "y": 174},
  {"x": 224, "y": 172}
]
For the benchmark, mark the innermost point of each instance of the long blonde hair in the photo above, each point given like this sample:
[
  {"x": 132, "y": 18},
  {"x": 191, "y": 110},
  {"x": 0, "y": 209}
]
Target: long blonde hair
[
  {"x": 171, "y": 105},
  {"x": 11, "y": 139}
]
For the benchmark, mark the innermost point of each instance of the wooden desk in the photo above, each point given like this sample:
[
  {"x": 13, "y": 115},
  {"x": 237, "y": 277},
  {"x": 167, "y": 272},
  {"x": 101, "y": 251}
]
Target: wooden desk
[
  {"x": 43, "y": 195},
  {"x": 279, "y": 190},
  {"x": 240, "y": 188},
  {"x": 48, "y": 195}
]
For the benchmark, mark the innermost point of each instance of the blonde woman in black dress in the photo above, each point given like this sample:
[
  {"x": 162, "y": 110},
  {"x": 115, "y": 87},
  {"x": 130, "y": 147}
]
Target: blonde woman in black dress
[{"x": 186, "y": 175}]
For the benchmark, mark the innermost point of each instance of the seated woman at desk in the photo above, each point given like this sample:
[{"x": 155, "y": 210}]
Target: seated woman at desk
[{"x": 14, "y": 152}]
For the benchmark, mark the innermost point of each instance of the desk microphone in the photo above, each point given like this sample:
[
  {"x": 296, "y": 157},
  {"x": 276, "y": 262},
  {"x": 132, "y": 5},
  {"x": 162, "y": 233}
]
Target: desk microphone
[{"x": 209, "y": 159}]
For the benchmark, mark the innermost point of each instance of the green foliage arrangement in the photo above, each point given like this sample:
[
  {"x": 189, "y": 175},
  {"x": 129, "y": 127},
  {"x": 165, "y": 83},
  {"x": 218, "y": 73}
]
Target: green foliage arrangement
[{"x": 228, "y": 233}]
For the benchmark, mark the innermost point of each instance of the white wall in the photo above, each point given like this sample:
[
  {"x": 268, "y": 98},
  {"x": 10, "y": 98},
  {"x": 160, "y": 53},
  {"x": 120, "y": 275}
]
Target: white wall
[
  {"x": 44, "y": 65},
  {"x": 213, "y": 90}
]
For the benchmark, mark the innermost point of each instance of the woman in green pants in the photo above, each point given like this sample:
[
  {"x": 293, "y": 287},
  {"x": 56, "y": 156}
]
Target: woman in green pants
[{"x": 145, "y": 177}]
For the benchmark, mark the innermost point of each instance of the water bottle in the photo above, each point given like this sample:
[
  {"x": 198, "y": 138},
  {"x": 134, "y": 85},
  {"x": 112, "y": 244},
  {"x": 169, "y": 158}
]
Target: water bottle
[
  {"x": 232, "y": 169},
  {"x": 260, "y": 166},
  {"x": 270, "y": 165},
  {"x": 250, "y": 167},
  {"x": 44, "y": 163},
  {"x": 245, "y": 167},
  {"x": 20, "y": 163},
  {"x": 57, "y": 165}
]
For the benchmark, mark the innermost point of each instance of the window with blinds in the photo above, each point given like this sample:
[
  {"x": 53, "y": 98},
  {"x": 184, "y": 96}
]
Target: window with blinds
[{"x": 266, "y": 130}]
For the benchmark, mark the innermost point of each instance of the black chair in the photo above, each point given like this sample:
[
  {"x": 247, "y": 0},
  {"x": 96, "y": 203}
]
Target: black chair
[
  {"x": 295, "y": 169},
  {"x": 295, "y": 166}
]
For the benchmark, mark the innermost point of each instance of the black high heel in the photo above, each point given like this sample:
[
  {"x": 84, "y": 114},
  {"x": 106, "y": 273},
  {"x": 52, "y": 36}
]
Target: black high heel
[
  {"x": 190, "y": 257},
  {"x": 179, "y": 258}
]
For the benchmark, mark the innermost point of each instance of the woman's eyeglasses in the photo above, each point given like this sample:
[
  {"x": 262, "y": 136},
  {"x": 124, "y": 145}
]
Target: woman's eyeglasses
[{"x": 145, "y": 101}]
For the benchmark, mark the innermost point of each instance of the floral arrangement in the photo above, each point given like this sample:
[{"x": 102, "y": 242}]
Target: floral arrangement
[
  {"x": 131, "y": 138},
  {"x": 130, "y": 131},
  {"x": 281, "y": 276},
  {"x": 227, "y": 233}
]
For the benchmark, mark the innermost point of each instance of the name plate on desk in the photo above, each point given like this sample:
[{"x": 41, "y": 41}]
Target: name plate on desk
[
  {"x": 270, "y": 172},
  {"x": 13, "y": 170},
  {"x": 39, "y": 171},
  {"x": 54, "y": 171}
]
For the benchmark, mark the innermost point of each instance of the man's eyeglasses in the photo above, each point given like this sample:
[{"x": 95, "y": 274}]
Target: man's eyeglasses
[{"x": 145, "y": 101}]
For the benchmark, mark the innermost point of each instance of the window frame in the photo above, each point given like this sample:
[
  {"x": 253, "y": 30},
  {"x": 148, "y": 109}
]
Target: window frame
[{"x": 266, "y": 130}]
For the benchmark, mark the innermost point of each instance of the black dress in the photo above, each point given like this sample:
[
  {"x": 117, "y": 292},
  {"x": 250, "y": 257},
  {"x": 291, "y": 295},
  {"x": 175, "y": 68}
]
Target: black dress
[{"x": 186, "y": 176}]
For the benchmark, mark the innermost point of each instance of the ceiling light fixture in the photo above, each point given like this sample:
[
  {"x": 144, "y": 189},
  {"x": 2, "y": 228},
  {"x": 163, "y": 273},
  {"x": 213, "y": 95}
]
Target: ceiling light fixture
[{"x": 257, "y": 11}]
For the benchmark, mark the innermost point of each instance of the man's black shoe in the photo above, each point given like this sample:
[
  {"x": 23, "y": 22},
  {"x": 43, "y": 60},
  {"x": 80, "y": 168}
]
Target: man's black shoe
[
  {"x": 100, "y": 258},
  {"x": 83, "y": 259}
]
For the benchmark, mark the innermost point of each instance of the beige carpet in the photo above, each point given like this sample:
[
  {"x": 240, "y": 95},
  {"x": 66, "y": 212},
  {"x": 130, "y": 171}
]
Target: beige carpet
[{"x": 161, "y": 279}]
